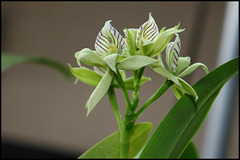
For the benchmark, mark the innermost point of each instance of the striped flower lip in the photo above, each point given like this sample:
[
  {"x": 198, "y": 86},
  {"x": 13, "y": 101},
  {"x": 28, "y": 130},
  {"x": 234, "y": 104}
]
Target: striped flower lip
[
  {"x": 173, "y": 52},
  {"x": 148, "y": 30},
  {"x": 109, "y": 40}
]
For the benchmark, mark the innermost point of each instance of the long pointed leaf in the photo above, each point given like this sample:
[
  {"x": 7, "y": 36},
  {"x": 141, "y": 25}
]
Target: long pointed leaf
[
  {"x": 190, "y": 152},
  {"x": 177, "y": 129},
  {"x": 10, "y": 60}
]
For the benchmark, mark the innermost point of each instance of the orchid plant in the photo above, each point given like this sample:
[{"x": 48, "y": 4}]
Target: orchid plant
[{"x": 139, "y": 48}]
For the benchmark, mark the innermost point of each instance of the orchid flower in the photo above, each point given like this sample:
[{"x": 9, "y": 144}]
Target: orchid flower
[
  {"x": 144, "y": 43},
  {"x": 176, "y": 65},
  {"x": 147, "y": 40},
  {"x": 109, "y": 45}
]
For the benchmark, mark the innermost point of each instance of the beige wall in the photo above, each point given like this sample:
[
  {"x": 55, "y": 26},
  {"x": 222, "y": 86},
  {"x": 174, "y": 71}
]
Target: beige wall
[{"x": 40, "y": 107}]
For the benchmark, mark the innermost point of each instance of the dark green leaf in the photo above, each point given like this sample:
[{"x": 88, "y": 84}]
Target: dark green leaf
[
  {"x": 190, "y": 152},
  {"x": 110, "y": 146},
  {"x": 9, "y": 60},
  {"x": 183, "y": 121}
]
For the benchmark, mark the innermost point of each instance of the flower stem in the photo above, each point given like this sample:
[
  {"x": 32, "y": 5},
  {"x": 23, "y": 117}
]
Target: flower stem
[
  {"x": 135, "y": 99},
  {"x": 128, "y": 124},
  {"x": 113, "y": 101},
  {"x": 119, "y": 79},
  {"x": 164, "y": 87}
]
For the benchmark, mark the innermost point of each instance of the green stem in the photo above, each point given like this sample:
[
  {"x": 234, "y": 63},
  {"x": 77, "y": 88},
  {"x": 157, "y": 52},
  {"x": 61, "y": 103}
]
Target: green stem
[
  {"x": 113, "y": 101},
  {"x": 164, "y": 87},
  {"x": 128, "y": 124},
  {"x": 119, "y": 79},
  {"x": 138, "y": 76}
]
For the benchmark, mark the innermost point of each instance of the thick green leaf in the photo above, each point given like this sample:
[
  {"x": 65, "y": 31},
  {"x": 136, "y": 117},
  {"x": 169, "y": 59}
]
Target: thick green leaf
[
  {"x": 9, "y": 60},
  {"x": 190, "y": 152},
  {"x": 86, "y": 75},
  {"x": 110, "y": 146},
  {"x": 183, "y": 121}
]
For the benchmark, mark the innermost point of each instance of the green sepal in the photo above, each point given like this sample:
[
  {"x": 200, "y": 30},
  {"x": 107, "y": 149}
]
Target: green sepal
[
  {"x": 131, "y": 40},
  {"x": 89, "y": 57},
  {"x": 85, "y": 75},
  {"x": 183, "y": 63},
  {"x": 178, "y": 93},
  {"x": 163, "y": 39},
  {"x": 111, "y": 60},
  {"x": 186, "y": 88},
  {"x": 135, "y": 62},
  {"x": 100, "y": 91},
  {"x": 129, "y": 82},
  {"x": 192, "y": 68},
  {"x": 165, "y": 73},
  {"x": 145, "y": 46},
  {"x": 99, "y": 70}
]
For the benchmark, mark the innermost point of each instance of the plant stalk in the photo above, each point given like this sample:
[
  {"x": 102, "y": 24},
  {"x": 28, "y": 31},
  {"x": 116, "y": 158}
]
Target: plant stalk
[
  {"x": 113, "y": 101},
  {"x": 164, "y": 87},
  {"x": 128, "y": 124}
]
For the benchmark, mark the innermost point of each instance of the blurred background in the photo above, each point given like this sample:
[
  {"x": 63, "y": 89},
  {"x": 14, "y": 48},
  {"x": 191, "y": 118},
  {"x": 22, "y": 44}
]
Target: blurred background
[{"x": 44, "y": 115}]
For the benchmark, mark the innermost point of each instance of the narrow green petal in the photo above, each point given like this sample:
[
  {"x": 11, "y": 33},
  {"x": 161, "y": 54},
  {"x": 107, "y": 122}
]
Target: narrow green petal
[
  {"x": 146, "y": 46},
  {"x": 129, "y": 82},
  {"x": 100, "y": 91},
  {"x": 164, "y": 38},
  {"x": 183, "y": 63},
  {"x": 86, "y": 75},
  {"x": 99, "y": 70},
  {"x": 186, "y": 88},
  {"x": 178, "y": 93},
  {"x": 131, "y": 40},
  {"x": 111, "y": 60},
  {"x": 165, "y": 73},
  {"x": 192, "y": 68},
  {"x": 135, "y": 62},
  {"x": 89, "y": 57}
]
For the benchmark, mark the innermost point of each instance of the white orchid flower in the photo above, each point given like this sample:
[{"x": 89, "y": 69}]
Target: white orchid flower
[{"x": 177, "y": 64}]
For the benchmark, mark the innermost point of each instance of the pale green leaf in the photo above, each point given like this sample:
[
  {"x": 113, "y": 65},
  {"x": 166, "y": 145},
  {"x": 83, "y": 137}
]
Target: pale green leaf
[
  {"x": 145, "y": 46},
  {"x": 86, "y": 75},
  {"x": 109, "y": 147},
  {"x": 100, "y": 91},
  {"x": 135, "y": 62},
  {"x": 192, "y": 68}
]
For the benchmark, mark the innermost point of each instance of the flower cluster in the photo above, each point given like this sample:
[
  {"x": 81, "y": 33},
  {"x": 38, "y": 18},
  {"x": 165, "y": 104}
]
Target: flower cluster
[{"x": 139, "y": 48}]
